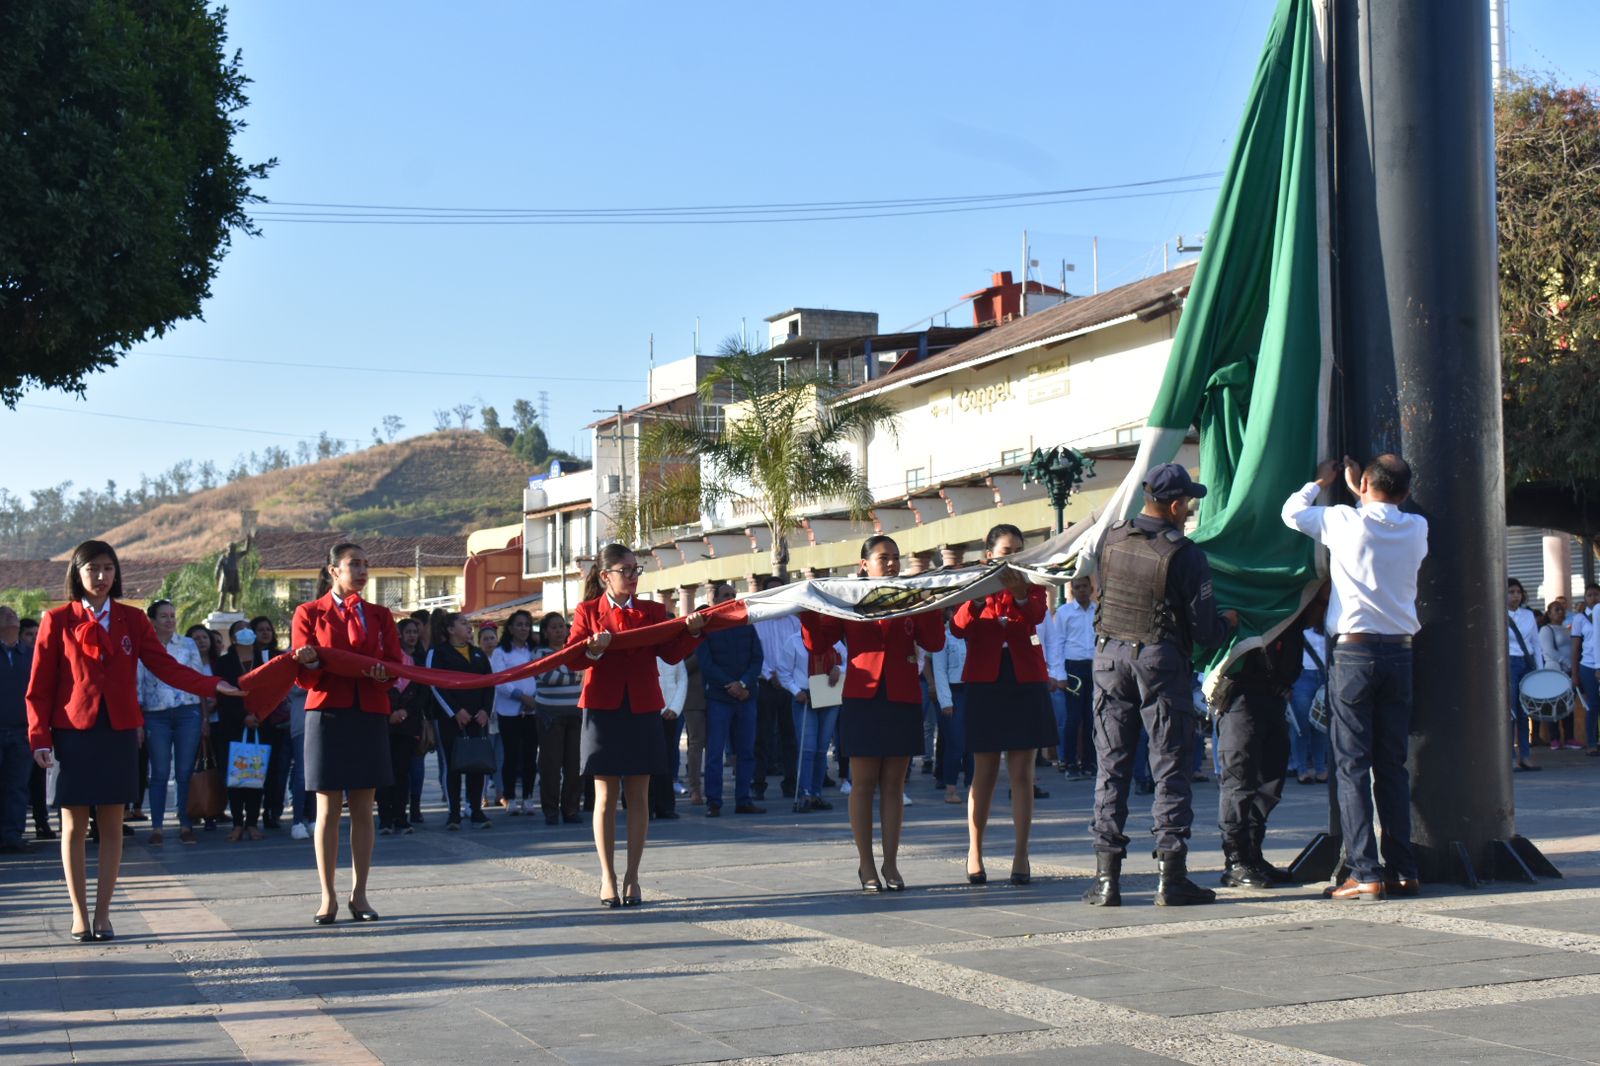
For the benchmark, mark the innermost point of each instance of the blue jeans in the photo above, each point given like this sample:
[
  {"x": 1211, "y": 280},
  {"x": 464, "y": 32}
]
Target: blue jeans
[
  {"x": 1589, "y": 680},
  {"x": 172, "y": 738},
  {"x": 1074, "y": 718},
  {"x": 956, "y": 758},
  {"x": 813, "y": 729},
  {"x": 16, "y": 767},
  {"x": 1308, "y": 746},
  {"x": 1519, "y": 717},
  {"x": 930, "y": 720},
  {"x": 419, "y": 769},
  {"x": 1369, "y": 722},
  {"x": 727, "y": 720}
]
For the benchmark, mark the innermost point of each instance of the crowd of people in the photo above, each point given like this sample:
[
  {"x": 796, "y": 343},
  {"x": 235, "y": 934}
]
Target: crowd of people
[{"x": 1099, "y": 687}]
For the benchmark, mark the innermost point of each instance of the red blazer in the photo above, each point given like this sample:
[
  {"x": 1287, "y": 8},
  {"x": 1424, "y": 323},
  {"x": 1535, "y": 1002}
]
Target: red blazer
[
  {"x": 320, "y": 623},
  {"x": 882, "y": 652},
  {"x": 76, "y": 664},
  {"x": 997, "y": 622},
  {"x": 620, "y": 674}
]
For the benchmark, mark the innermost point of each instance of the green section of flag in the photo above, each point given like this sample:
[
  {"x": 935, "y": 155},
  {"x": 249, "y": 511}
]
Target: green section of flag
[{"x": 1247, "y": 359}]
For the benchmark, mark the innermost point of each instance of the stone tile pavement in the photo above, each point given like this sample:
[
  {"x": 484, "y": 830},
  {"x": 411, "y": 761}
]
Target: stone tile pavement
[{"x": 755, "y": 946}]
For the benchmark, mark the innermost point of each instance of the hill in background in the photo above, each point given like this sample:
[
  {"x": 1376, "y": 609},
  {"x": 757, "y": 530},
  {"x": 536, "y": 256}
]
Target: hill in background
[{"x": 454, "y": 481}]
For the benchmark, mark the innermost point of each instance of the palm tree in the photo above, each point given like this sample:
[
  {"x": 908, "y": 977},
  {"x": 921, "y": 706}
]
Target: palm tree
[{"x": 778, "y": 447}]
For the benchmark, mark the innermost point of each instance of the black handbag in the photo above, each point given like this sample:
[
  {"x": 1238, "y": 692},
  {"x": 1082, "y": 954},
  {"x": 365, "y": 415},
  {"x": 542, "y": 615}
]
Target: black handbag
[{"x": 472, "y": 755}]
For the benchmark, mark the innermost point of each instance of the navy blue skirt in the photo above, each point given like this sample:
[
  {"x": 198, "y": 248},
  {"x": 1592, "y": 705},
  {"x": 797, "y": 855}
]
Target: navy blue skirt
[
  {"x": 880, "y": 728},
  {"x": 99, "y": 765},
  {"x": 1009, "y": 715},
  {"x": 620, "y": 743},
  {"x": 347, "y": 749}
]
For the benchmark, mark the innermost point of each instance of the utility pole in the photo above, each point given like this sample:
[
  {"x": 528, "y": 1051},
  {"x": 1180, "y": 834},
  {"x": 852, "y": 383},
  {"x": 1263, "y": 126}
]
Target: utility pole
[
  {"x": 1498, "y": 55},
  {"x": 1097, "y": 264},
  {"x": 417, "y": 573}
]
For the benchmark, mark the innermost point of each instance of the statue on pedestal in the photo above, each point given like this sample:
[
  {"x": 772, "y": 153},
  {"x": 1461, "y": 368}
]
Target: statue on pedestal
[{"x": 227, "y": 572}]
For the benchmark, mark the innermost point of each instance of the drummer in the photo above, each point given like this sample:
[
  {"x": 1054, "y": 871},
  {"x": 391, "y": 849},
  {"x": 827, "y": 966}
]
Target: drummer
[{"x": 1556, "y": 649}]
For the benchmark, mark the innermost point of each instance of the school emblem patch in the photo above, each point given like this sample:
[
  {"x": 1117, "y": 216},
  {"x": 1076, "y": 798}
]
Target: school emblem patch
[{"x": 127, "y": 645}]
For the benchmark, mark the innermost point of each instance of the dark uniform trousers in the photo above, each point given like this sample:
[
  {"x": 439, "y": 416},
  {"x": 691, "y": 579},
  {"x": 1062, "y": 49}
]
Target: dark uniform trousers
[
  {"x": 1149, "y": 684},
  {"x": 1369, "y": 723},
  {"x": 1253, "y": 747},
  {"x": 777, "y": 752}
]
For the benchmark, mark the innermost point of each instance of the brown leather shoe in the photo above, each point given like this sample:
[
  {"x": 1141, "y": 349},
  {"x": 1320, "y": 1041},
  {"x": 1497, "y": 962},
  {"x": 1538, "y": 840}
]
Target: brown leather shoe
[
  {"x": 1353, "y": 890},
  {"x": 1403, "y": 886}
]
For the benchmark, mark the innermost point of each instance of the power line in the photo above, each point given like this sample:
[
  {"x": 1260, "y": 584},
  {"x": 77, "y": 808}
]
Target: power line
[
  {"x": 370, "y": 219},
  {"x": 370, "y": 369},
  {"x": 187, "y": 425},
  {"x": 804, "y": 205}
]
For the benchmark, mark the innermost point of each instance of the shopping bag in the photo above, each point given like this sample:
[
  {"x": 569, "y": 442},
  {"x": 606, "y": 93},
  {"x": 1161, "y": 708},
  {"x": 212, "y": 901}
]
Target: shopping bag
[
  {"x": 473, "y": 755},
  {"x": 247, "y": 761},
  {"x": 208, "y": 797}
]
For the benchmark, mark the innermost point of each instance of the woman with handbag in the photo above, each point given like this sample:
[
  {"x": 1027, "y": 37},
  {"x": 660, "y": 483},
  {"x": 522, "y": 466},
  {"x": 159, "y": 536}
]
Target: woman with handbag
[
  {"x": 238, "y": 727},
  {"x": 409, "y": 703},
  {"x": 347, "y": 720},
  {"x": 462, "y": 714},
  {"x": 83, "y": 714},
  {"x": 622, "y": 742}
]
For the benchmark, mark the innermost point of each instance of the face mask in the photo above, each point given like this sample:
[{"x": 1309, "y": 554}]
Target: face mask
[{"x": 245, "y": 638}]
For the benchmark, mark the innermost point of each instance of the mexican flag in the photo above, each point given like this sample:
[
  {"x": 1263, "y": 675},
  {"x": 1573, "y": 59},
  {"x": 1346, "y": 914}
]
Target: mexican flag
[{"x": 1250, "y": 364}]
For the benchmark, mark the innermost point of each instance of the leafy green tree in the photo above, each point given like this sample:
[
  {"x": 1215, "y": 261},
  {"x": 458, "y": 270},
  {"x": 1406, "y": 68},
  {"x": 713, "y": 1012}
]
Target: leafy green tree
[
  {"x": 779, "y": 446},
  {"x": 1547, "y": 153},
  {"x": 28, "y": 603},
  {"x": 120, "y": 187}
]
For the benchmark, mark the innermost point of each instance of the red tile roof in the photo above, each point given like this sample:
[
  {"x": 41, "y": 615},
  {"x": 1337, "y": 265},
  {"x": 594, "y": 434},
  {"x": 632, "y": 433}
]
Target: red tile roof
[{"x": 308, "y": 551}]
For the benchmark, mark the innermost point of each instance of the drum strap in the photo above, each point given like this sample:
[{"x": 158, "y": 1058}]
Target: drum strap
[{"x": 1516, "y": 631}]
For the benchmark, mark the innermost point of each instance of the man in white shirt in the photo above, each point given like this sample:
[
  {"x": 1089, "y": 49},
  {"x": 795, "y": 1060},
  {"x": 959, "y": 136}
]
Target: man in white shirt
[
  {"x": 1069, "y": 654},
  {"x": 1586, "y": 671},
  {"x": 1375, "y": 551}
]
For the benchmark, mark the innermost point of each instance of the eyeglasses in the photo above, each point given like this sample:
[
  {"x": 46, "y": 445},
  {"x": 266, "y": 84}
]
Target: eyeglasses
[{"x": 626, "y": 571}]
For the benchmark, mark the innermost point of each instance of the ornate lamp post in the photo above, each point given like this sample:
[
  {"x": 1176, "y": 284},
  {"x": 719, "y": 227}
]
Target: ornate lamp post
[{"x": 1061, "y": 470}]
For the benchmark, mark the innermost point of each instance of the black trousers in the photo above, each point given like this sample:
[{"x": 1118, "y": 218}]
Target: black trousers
[
  {"x": 560, "y": 788},
  {"x": 36, "y": 794},
  {"x": 277, "y": 770},
  {"x": 519, "y": 737},
  {"x": 1253, "y": 747},
  {"x": 244, "y": 804},
  {"x": 663, "y": 797},
  {"x": 776, "y": 750},
  {"x": 1369, "y": 727},
  {"x": 1151, "y": 686},
  {"x": 449, "y": 733},
  {"x": 394, "y": 801}
]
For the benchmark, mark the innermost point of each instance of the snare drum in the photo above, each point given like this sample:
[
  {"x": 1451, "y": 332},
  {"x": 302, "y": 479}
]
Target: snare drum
[
  {"x": 1546, "y": 695},
  {"x": 1319, "y": 709}
]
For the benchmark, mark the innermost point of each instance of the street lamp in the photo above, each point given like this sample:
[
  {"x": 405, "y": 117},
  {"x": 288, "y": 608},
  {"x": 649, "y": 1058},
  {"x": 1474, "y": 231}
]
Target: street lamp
[{"x": 1060, "y": 470}]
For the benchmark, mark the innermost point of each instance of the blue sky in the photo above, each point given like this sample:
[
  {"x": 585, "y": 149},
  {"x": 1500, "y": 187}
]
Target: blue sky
[{"x": 633, "y": 105}]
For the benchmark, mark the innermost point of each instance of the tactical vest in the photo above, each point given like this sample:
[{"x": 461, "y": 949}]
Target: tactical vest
[{"x": 1133, "y": 584}]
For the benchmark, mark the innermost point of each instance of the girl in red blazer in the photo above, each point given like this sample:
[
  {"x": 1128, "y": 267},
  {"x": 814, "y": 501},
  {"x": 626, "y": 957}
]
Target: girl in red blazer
[
  {"x": 83, "y": 713},
  {"x": 622, "y": 742},
  {"x": 880, "y": 721},
  {"x": 1008, "y": 701},
  {"x": 347, "y": 720}
]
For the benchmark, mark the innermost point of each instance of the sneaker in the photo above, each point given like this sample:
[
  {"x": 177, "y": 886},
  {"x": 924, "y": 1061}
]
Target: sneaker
[
  {"x": 905, "y": 798},
  {"x": 820, "y": 804},
  {"x": 481, "y": 821},
  {"x": 453, "y": 824},
  {"x": 416, "y": 817},
  {"x": 1555, "y": 745},
  {"x": 385, "y": 831},
  {"x": 927, "y": 766},
  {"x": 514, "y": 808},
  {"x": 679, "y": 788},
  {"x": 405, "y": 830},
  {"x": 1573, "y": 745},
  {"x": 844, "y": 789},
  {"x": 300, "y": 831}
]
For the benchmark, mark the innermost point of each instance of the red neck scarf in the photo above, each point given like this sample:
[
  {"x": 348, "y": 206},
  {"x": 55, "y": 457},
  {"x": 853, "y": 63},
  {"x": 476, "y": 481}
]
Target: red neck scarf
[{"x": 90, "y": 636}]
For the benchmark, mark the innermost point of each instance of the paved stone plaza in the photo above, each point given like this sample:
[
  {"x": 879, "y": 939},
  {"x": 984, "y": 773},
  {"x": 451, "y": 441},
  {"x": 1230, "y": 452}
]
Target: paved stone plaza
[{"x": 754, "y": 945}]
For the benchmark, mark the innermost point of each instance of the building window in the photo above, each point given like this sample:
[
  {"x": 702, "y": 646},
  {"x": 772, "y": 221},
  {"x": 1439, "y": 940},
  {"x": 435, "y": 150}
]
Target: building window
[
  {"x": 302, "y": 589},
  {"x": 392, "y": 592},
  {"x": 434, "y": 588},
  {"x": 264, "y": 588},
  {"x": 1013, "y": 457},
  {"x": 916, "y": 479},
  {"x": 1130, "y": 435}
]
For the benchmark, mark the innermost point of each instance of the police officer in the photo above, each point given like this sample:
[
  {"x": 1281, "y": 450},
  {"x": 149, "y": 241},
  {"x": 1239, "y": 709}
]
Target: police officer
[
  {"x": 1253, "y": 748},
  {"x": 1156, "y": 603}
]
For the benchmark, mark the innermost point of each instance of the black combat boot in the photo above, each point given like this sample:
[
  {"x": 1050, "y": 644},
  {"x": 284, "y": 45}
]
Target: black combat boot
[
  {"x": 1174, "y": 889},
  {"x": 1239, "y": 867},
  {"x": 1107, "y": 888},
  {"x": 1277, "y": 874}
]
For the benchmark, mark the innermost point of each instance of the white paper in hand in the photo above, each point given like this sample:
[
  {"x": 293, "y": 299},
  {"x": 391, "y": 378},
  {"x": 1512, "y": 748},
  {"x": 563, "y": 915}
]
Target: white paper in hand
[{"x": 824, "y": 694}]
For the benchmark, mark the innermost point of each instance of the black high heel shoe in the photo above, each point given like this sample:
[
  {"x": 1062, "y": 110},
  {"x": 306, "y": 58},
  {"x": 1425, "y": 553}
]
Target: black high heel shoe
[
  {"x": 326, "y": 919},
  {"x": 979, "y": 878},
  {"x": 362, "y": 914},
  {"x": 1020, "y": 879},
  {"x": 873, "y": 885},
  {"x": 612, "y": 901},
  {"x": 893, "y": 884},
  {"x": 634, "y": 898},
  {"x": 83, "y": 937},
  {"x": 105, "y": 935}
]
